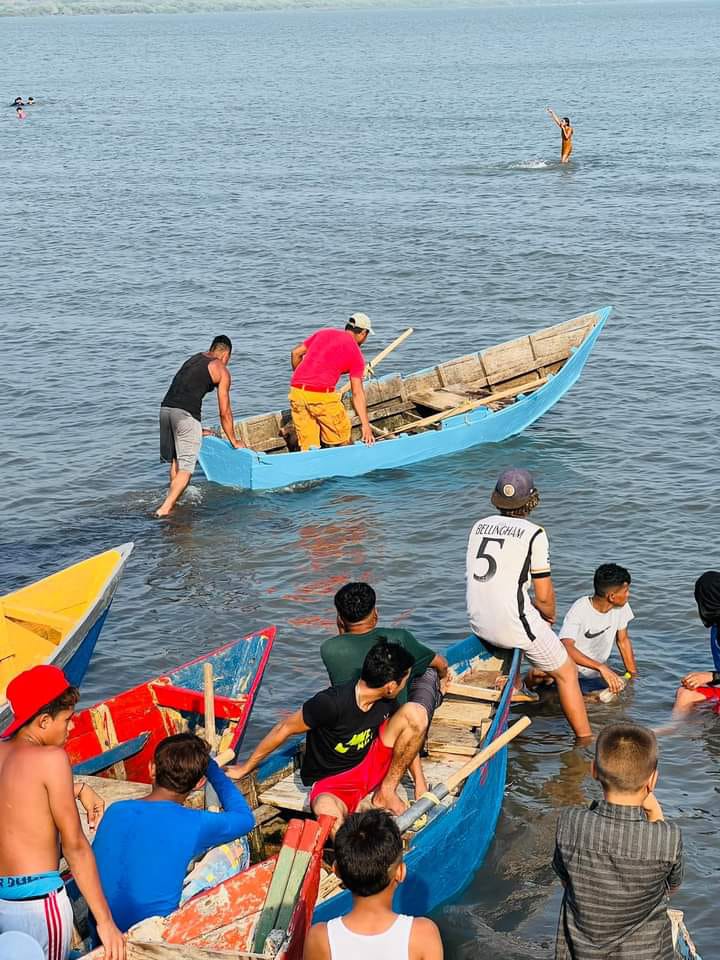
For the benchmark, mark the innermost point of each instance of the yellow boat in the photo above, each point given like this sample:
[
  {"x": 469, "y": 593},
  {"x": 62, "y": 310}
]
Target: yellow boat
[{"x": 57, "y": 619}]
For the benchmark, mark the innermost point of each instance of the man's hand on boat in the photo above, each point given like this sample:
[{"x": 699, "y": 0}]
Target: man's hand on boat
[
  {"x": 92, "y": 803},
  {"x": 367, "y": 434},
  {"x": 112, "y": 940}
]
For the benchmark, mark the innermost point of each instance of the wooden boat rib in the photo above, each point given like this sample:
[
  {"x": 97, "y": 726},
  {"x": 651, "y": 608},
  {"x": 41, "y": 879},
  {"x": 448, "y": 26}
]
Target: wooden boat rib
[
  {"x": 174, "y": 703},
  {"x": 479, "y": 398},
  {"x": 463, "y": 825},
  {"x": 58, "y": 619}
]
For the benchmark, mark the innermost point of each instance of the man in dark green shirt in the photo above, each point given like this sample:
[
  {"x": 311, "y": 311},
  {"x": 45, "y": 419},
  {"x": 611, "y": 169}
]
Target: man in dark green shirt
[{"x": 343, "y": 656}]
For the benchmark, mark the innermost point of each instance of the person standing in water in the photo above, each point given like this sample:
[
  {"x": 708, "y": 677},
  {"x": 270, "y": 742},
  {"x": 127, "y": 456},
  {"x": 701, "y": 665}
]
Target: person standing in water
[
  {"x": 566, "y": 133},
  {"x": 180, "y": 415}
]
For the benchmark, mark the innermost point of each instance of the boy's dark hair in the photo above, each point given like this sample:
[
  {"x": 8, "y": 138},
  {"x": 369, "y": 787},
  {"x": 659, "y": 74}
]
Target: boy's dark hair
[
  {"x": 367, "y": 847},
  {"x": 609, "y": 575},
  {"x": 180, "y": 762},
  {"x": 64, "y": 701},
  {"x": 566, "y": 119},
  {"x": 625, "y": 756},
  {"x": 222, "y": 342},
  {"x": 707, "y": 597},
  {"x": 355, "y": 601},
  {"x": 384, "y": 663}
]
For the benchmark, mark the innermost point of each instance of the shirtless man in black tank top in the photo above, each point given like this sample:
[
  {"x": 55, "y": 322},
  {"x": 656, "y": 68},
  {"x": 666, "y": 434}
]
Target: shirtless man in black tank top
[{"x": 180, "y": 415}]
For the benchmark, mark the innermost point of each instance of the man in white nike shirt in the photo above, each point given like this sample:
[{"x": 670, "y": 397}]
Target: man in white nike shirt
[{"x": 506, "y": 554}]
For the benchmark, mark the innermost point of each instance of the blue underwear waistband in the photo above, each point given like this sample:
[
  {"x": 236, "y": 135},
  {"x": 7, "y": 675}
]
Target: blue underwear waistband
[{"x": 30, "y": 886}]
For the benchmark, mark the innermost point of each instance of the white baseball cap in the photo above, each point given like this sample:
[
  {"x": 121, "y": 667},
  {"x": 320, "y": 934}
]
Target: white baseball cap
[{"x": 361, "y": 321}]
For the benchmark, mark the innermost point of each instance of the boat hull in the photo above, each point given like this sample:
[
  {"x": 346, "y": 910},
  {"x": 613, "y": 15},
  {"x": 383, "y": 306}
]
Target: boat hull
[
  {"x": 248, "y": 469},
  {"x": 74, "y": 653},
  {"x": 173, "y": 703}
]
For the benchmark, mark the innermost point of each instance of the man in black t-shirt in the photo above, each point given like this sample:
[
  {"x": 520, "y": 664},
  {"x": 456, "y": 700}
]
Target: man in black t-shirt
[{"x": 358, "y": 740}]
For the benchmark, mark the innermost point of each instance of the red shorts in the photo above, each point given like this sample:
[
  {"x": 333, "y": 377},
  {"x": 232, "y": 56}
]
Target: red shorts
[
  {"x": 710, "y": 693},
  {"x": 351, "y": 786}
]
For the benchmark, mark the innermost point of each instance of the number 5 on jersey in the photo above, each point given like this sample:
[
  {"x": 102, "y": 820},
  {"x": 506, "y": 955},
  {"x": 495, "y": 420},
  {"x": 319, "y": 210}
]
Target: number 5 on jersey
[{"x": 482, "y": 554}]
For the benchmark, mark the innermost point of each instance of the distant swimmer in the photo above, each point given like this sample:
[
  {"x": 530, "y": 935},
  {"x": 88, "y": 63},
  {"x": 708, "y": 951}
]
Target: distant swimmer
[
  {"x": 180, "y": 414},
  {"x": 31, "y": 101},
  {"x": 566, "y": 132},
  {"x": 20, "y": 113},
  {"x": 18, "y": 102}
]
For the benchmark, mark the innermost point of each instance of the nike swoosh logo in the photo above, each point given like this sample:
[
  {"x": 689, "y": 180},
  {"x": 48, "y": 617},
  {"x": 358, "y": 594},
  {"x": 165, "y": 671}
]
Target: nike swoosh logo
[{"x": 591, "y": 636}]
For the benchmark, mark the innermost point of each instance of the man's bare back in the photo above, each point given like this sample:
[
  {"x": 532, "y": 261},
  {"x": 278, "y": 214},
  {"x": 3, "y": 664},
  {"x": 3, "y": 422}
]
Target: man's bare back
[
  {"x": 29, "y": 838},
  {"x": 38, "y": 813}
]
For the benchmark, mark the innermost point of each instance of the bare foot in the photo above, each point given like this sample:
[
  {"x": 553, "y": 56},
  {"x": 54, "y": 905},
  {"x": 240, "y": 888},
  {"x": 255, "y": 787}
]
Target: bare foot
[
  {"x": 160, "y": 513},
  {"x": 389, "y": 801}
]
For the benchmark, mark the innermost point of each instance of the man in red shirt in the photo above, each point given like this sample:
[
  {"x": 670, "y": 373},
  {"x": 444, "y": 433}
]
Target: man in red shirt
[{"x": 317, "y": 409}]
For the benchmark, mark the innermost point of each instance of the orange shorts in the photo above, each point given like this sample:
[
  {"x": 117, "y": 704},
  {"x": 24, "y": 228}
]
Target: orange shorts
[
  {"x": 353, "y": 785},
  {"x": 319, "y": 418}
]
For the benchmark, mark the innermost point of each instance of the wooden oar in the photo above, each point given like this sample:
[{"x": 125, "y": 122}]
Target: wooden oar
[
  {"x": 441, "y": 790},
  {"x": 467, "y": 407},
  {"x": 370, "y": 368},
  {"x": 211, "y": 798},
  {"x": 123, "y": 751}
]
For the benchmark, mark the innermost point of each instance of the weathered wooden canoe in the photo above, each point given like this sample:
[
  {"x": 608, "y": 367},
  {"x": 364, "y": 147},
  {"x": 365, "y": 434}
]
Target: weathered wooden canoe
[
  {"x": 170, "y": 704},
  {"x": 463, "y": 825},
  {"x": 273, "y": 899},
  {"x": 58, "y": 619},
  {"x": 480, "y": 398}
]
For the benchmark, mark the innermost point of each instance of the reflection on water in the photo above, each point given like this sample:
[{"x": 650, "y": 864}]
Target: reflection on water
[{"x": 305, "y": 190}]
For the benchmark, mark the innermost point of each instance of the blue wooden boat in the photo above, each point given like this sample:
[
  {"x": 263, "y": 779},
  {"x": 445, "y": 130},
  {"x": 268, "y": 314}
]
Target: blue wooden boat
[
  {"x": 480, "y": 398},
  {"x": 58, "y": 619},
  {"x": 463, "y": 825}
]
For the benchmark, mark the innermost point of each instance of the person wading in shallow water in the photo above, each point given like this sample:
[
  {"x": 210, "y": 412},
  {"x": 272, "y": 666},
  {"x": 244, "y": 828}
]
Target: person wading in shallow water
[
  {"x": 566, "y": 132},
  {"x": 180, "y": 415}
]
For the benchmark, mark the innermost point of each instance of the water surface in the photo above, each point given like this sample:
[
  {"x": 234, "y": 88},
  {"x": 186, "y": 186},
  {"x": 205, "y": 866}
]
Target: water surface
[{"x": 263, "y": 174}]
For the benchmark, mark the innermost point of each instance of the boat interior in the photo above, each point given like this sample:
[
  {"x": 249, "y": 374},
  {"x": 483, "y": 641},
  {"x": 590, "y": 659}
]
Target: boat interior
[
  {"x": 457, "y": 732},
  {"x": 37, "y": 619},
  {"x": 421, "y": 401}
]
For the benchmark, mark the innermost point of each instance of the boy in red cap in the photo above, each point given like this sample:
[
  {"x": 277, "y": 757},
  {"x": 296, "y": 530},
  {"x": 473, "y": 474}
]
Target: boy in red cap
[{"x": 39, "y": 815}]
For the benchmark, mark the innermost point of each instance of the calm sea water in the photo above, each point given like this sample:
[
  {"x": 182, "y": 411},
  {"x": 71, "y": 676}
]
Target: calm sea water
[{"x": 263, "y": 174}]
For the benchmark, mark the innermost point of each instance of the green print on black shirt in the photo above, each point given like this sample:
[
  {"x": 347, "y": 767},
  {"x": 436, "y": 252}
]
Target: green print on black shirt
[{"x": 340, "y": 733}]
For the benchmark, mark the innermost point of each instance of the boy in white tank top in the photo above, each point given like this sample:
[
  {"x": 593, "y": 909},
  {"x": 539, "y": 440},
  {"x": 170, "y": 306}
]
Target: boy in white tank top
[{"x": 368, "y": 860}]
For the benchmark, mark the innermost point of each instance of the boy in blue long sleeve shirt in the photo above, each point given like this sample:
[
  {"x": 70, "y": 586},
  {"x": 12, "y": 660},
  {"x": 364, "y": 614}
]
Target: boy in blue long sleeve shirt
[{"x": 143, "y": 847}]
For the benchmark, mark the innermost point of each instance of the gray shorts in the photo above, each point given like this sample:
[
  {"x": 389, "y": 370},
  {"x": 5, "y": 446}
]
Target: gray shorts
[
  {"x": 180, "y": 437},
  {"x": 425, "y": 690}
]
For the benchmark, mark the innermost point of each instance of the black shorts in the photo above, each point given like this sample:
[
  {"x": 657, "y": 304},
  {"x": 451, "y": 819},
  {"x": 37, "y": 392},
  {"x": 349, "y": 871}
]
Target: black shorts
[{"x": 425, "y": 690}]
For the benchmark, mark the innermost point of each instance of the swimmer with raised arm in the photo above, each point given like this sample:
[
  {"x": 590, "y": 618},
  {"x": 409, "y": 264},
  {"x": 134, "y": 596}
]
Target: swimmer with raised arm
[{"x": 566, "y": 133}]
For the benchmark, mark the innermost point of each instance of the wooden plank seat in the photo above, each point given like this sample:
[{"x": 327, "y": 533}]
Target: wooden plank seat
[
  {"x": 464, "y": 713},
  {"x": 291, "y": 794},
  {"x": 193, "y": 701},
  {"x": 440, "y": 399},
  {"x": 445, "y": 740},
  {"x": 33, "y": 615}
]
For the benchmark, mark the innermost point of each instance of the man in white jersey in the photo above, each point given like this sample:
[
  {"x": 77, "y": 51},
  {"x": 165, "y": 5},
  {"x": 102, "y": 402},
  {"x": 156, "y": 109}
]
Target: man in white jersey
[{"x": 506, "y": 554}]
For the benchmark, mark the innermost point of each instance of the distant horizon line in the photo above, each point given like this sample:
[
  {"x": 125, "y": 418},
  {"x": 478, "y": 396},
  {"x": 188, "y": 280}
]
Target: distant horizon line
[{"x": 50, "y": 8}]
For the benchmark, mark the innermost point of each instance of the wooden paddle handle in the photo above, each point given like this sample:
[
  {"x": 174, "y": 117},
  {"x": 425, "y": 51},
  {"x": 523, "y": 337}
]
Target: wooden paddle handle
[
  {"x": 484, "y": 755},
  {"x": 209, "y": 694},
  {"x": 370, "y": 368},
  {"x": 225, "y": 757}
]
